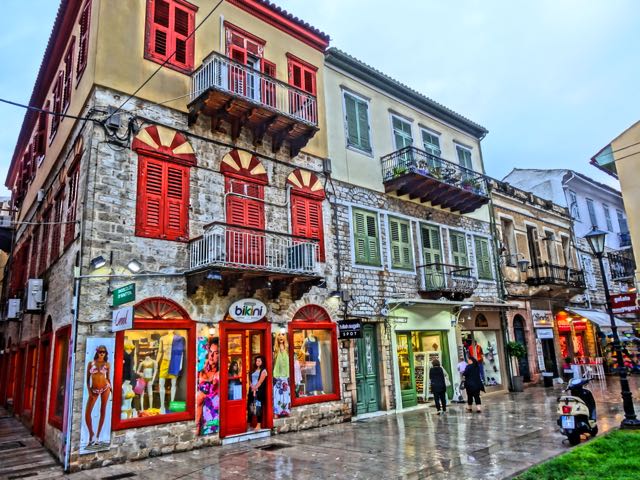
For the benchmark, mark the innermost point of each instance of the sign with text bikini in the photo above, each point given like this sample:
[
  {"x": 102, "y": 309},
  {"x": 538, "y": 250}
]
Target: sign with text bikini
[
  {"x": 247, "y": 310},
  {"x": 97, "y": 395}
]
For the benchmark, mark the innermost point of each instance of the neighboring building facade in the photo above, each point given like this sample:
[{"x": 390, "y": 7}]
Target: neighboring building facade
[
  {"x": 416, "y": 261},
  {"x": 542, "y": 275},
  {"x": 590, "y": 204},
  {"x": 206, "y": 192}
]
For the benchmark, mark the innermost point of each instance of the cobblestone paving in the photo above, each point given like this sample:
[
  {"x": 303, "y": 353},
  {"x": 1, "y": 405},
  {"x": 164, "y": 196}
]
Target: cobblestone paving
[{"x": 514, "y": 432}]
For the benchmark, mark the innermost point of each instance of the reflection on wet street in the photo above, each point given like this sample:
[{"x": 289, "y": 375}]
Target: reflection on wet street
[{"x": 514, "y": 432}]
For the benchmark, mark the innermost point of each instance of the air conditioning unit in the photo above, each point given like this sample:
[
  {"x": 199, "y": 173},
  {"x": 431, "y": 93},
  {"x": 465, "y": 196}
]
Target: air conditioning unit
[
  {"x": 5, "y": 221},
  {"x": 13, "y": 308},
  {"x": 301, "y": 257},
  {"x": 35, "y": 294}
]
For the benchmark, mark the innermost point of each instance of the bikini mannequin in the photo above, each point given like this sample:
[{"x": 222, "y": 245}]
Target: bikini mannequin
[
  {"x": 127, "y": 399},
  {"x": 148, "y": 369}
]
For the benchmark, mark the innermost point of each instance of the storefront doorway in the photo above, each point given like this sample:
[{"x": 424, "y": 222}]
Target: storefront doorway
[
  {"x": 367, "y": 383},
  {"x": 42, "y": 388},
  {"x": 240, "y": 345},
  {"x": 415, "y": 351},
  {"x": 521, "y": 338}
]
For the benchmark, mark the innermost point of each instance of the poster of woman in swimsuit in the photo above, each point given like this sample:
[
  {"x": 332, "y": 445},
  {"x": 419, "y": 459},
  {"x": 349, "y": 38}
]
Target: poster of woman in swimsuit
[
  {"x": 97, "y": 396},
  {"x": 208, "y": 388}
]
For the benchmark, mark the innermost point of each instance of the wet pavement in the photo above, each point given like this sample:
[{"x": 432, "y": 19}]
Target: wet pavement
[{"x": 514, "y": 432}]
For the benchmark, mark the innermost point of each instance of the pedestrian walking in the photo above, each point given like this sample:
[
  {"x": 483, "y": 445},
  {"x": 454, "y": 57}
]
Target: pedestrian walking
[
  {"x": 473, "y": 384},
  {"x": 438, "y": 386}
]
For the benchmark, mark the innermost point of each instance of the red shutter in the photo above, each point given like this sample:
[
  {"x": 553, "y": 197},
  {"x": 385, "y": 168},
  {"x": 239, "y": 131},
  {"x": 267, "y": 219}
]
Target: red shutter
[
  {"x": 83, "y": 44},
  {"x": 181, "y": 29},
  {"x": 177, "y": 202},
  {"x": 268, "y": 86},
  {"x": 57, "y": 104},
  {"x": 41, "y": 135},
  {"x": 149, "y": 215},
  {"x": 306, "y": 220},
  {"x": 33, "y": 264},
  {"x": 44, "y": 246},
  {"x": 160, "y": 34},
  {"x": 57, "y": 225},
  {"x": 170, "y": 25},
  {"x": 245, "y": 246},
  {"x": 68, "y": 76},
  {"x": 237, "y": 75},
  {"x": 72, "y": 199}
]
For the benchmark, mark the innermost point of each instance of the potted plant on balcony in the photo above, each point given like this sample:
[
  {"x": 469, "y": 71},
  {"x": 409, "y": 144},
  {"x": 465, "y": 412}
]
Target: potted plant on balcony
[
  {"x": 516, "y": 350},
  {"x": 399, "y": 170},
  {"x": 470, "y": 183}
]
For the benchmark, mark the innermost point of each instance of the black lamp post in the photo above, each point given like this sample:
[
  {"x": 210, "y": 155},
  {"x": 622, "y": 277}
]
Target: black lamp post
[{"x": 596, "y": 239}]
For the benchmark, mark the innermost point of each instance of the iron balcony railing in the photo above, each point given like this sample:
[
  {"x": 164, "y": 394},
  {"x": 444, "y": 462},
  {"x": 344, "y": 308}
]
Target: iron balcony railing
[
  {"x": 625, "y": 239},
  {"x": 413, "y": 160},
  {"x": 622, "y": 264},
  {"x": 443, "y": 277},
  {"x": 551, "y": 274},
  {"x": 243, "y": 248},
  {"x": 221, "y": 73}
]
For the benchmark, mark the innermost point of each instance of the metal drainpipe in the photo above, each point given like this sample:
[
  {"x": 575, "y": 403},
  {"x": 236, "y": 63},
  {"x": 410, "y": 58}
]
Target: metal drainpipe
[{"x": 501, "y": 291}]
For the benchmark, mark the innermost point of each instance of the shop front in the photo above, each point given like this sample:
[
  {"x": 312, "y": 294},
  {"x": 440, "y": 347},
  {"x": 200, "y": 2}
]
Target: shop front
[
  {"x": 481, "y": 334},
  {"x": 422, "y": 332},
  {"x": 575, "y": 337},
  {"x": 543, "y": 324}
]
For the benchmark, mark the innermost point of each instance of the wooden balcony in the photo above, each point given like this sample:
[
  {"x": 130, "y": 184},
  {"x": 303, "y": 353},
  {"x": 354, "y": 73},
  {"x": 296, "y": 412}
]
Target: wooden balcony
[
  {"x": 441, "y": 280},
  {"x": 551, "y": 274},
  {"x": 223, "y": 89},
  {"x": 420, "y": 175}
]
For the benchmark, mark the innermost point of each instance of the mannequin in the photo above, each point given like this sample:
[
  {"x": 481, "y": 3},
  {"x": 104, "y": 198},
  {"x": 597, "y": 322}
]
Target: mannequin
[
  {"x": 311, "y": 347},
  {"x": 147, "y": 370},
  {"x": 127, "y": 399},
  {"x": 170, "y": 358},
  {"x": 129, "y": 361}
]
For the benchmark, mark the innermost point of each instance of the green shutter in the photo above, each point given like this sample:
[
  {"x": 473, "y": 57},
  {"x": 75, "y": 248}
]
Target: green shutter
[
  {"x": 458, "y": 249},
  {"x": 399, "y": 238},
  {"x": 483, "y": 259},
  {"x": 365, "y": 230},
  {"x": 432, "y": 254},
  {"x": 357, "y": 123}
]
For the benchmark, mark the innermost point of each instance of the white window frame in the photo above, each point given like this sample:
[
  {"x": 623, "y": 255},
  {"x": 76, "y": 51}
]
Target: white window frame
[
  {"x": 346, "y": 91},
  {"x": 464, "y": 149},
  {"x": 393, "y": 135},
  {"x": 434, "y": 134},
  {"x": 593, "y": 219},
  {"x": 607, "y": 217}
]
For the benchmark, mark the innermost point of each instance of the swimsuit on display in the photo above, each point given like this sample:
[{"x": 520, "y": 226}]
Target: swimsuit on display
[
  {"x": 177, "y": 351},
  {"x": 103, "y": 370},
  {"x": 166, "y": 343},
  {"x": 127, "y": 367}
]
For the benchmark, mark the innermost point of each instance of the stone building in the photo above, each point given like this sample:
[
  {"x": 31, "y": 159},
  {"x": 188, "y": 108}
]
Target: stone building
[
  {"x": 542, "y": 276},
  {"x": 173, "y": 231},
  {"x": 416, "y": 260}
]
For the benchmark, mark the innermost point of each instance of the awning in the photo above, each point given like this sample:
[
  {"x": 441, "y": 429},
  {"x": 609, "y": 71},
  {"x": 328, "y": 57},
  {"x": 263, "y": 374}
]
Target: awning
[{"x": 601, "y": 319}]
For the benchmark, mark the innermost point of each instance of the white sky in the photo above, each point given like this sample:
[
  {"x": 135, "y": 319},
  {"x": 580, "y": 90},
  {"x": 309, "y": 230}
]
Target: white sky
[{"x": 552, "y": 80}]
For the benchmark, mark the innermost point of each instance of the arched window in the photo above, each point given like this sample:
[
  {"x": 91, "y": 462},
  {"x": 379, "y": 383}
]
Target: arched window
[
  {"x": 307, "y": 195},
  {"x": 164, "y": 160},
  {"x": 154, "y": 366},
  {"x": 314, "y": 356}
]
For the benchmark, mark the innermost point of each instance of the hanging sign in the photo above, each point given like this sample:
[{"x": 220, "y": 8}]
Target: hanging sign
[
  {"x": 122, "y": 319},
  {"x": 544, "y": 333},
  {"x": 542, "y": 318},
  {"x": 247, "y": 310},
  {"x": 350, "y": 328},
  {"x": 623, "y": 303},
  {"x": 124, "y": 294}
]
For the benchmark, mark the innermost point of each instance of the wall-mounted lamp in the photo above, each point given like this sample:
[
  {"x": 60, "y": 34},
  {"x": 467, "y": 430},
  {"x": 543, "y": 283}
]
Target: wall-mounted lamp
[
  {"x": 212, "y": 330},
  {"x": 336, "y": 294},
  {"x": 134, "y": 266},
  {"x": 523, "y": 263},
  {"x": 283, "y": 328},
  {"x": 98, "y": 262},
  {"x": 214, "y": 275}
]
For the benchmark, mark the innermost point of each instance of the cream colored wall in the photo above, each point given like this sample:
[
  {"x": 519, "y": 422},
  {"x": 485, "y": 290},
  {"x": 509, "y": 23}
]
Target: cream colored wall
[
  {"x": 79, "y": 94},
  {"x": 121, "y": 64},
  {"x": 627, "y": 157},
  {"x": 365, "y": 170}
]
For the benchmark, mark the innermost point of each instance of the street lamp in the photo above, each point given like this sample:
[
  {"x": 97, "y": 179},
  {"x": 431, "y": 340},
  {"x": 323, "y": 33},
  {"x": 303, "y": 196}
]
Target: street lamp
[{"x": 596, "y": 240}]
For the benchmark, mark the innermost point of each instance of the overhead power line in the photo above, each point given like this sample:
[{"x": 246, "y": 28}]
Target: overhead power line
[{"x": 48, "y": 112}]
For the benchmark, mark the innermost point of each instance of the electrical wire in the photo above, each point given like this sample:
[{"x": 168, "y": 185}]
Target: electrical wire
[
  {"x": 165, "y": 62},
  {"x": 48, "y": 112}
]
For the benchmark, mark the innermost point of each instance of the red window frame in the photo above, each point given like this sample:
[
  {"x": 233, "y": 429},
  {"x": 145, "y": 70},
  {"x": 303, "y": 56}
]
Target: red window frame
[
  {"x": 72, "y": 202},
  {"x": 57, "y": 104},
  {"x": 306, "y": 79},
  {"x": 62, "y": 335},
  {"x": 307, "y": 220},
  {"x": 40, "y": 140},
  {"x": 149, "y": 324},
  {"x": 301, "y": 321},
  {"x": 162, "y": 207},
  {"x": 30, "y": 376},
  {"x": 68, "y": 75},
  {"x": 163, "y": 32},
  {"x": 83, "y": 44},
  {"x": 44, "y": 242}
]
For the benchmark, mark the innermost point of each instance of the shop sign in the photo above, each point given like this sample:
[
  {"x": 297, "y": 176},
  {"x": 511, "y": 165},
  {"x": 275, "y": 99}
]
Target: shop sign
[
  {"x": 124, "y": 294},
  {"x": 350, "y": 328},
  {"x": 122, "y": 319},
  {"x": 544, "y": 333},
  {"x": 579, "y": 325},
  {"x": 542, "y": 318},
  {"x": 623, "y": 303},
  {"x": 247, "y": 310}
]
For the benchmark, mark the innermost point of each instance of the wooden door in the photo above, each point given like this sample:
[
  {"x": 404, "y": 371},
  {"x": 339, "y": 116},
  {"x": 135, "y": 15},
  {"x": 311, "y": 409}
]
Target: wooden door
[
  {"x": 42, "y": 387},
  {"x": 245, "y": 246},
  {"x": 367, "y": 383},
  {"x": 520, "y": 337},
  {"x": 239, "y": 345}
]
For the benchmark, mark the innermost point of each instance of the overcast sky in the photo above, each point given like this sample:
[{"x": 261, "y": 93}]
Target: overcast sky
[{"x": 552, "y": 80}]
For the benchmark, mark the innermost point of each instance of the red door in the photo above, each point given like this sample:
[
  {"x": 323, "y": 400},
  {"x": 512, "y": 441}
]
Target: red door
[
  {"x": 245, "y": 208},
  {"x": 42, "y": 386},
  {"x": 239, "y": 346}
]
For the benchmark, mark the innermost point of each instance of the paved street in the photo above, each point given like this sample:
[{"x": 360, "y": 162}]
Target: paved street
[{"x": 515, "y": 431}]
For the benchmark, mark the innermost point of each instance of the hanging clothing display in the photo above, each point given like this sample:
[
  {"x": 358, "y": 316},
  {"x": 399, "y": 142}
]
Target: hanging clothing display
[
  {"x": 177, "y": 353},
  {"x": 314, "y": 380}
]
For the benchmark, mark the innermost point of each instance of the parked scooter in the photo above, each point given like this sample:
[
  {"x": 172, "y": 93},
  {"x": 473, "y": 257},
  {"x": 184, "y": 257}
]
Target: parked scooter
[{"x": 577, "y": 412}]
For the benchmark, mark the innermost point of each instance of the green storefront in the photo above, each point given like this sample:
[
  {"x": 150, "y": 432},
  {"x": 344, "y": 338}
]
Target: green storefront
[{"x": 422, "y": 332}]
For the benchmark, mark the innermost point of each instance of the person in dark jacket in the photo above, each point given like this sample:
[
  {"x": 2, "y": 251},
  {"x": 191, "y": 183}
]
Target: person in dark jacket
[
  {"x": 438, "y": 386},
  {"x": 473, "y": 384}
]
